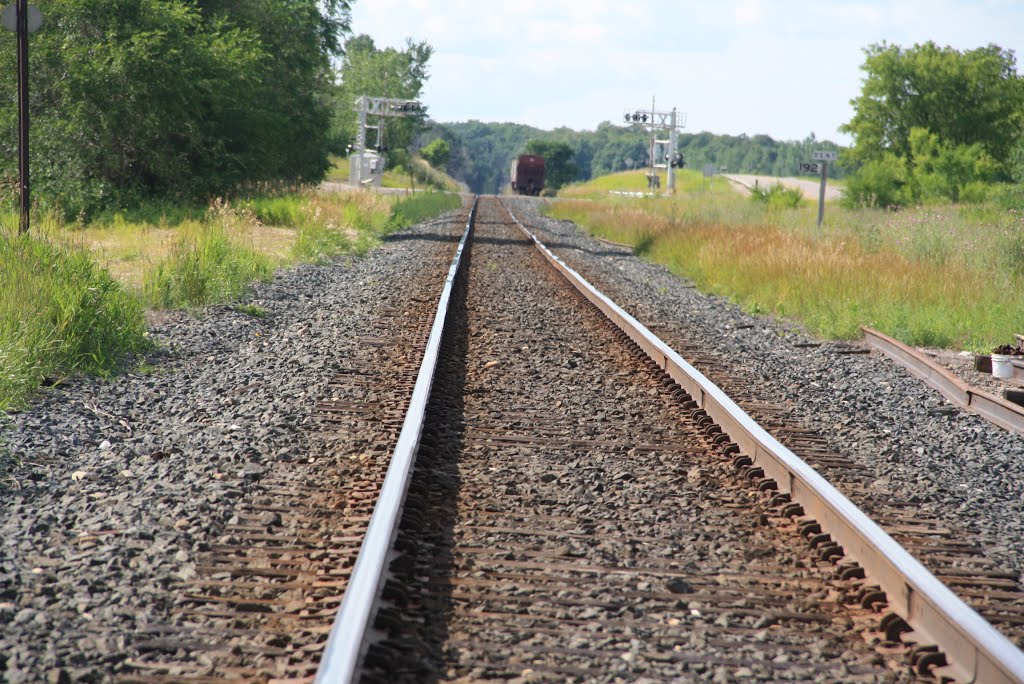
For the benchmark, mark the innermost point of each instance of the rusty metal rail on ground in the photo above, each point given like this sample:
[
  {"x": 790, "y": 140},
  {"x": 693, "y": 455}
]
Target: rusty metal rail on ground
[
  {"x": 975, "y": 650},
  {"x": 348, "y": 639},
  {"x": 999, "y": 411}
]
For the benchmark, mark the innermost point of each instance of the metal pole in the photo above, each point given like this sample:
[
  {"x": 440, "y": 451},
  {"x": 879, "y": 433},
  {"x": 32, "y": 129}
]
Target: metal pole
[
  {"x": 670, "y": 157},
  {"x": 22, "y": 30},
  {"x": 821, "y": 193}
]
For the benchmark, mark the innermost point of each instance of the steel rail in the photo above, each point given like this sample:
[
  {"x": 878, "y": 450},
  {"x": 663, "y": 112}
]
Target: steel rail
[
  {"x": 1003, "y": 413},
  {"x": 975, "y": 650},
  {"x": 348, "y": 639}
]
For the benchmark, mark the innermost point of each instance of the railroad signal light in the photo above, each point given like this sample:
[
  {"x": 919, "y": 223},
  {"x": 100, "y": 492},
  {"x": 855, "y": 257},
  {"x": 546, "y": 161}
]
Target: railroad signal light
[{"x": 409, "y": 106}]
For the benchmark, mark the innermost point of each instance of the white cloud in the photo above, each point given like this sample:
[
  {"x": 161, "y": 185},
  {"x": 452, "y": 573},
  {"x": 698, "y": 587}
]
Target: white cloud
[{"x": 749, "y": 12}]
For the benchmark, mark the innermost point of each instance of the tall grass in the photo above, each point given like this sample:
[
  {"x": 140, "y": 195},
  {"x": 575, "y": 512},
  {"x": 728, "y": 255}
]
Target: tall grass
[
  {"x": 63, "y": 312},
  {"x": 60, "y": 314},
  {"x": 936, "y": 276},
  {"x": 208, "y": 267}
]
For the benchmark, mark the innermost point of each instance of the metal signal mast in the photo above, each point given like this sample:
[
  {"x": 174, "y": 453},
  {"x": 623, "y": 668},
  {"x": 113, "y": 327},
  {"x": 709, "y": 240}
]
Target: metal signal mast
[
  {"x": 366, "y": 167},
  {"x": 655, "y": 121}
]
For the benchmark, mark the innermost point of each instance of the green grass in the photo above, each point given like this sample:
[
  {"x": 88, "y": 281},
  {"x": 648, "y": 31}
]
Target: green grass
[
  {"x": 933, "y": 276},
  {"x": 251, "y": 310},
  {"x": 72, "y": 296},
  {"x": 208, "y": 268},
  {"x": 422, "y": 206},
  {"x": 60, "y": 314}
]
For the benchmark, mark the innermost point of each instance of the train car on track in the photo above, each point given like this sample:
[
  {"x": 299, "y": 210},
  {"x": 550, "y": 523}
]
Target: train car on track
[{"x": 528, "y": 174}]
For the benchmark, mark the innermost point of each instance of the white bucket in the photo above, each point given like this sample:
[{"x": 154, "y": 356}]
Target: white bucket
[{"x": 1001, "y": 367}]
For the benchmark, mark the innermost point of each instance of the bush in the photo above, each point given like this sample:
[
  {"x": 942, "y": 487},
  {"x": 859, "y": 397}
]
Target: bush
[
  {"x": 1008, "y": 196},
  {"x": 879, "y": 183},
  {"x": 976, "y": 192},
  {"x": 777, "y": 196}
]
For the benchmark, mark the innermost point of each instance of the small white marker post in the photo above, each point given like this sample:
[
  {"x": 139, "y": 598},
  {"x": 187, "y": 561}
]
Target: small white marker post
[{"x": 823, "y": 156}]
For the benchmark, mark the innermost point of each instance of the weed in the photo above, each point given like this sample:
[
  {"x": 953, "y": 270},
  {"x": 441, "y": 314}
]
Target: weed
[
  {"x": 60, "y": 314},
  {"x": 252, "y": 310}
]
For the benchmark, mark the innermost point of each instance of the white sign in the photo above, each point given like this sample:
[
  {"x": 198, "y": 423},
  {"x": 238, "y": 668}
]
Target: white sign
[
  {"x": 824, "y": 155},
  {"x": 710, "y": 170},
  {"x": 9, "y": 18},
  {"x": 810, "y": 168}
]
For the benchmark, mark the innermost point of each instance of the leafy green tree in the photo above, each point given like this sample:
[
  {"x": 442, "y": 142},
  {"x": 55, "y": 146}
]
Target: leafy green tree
[
  {"x": 942, "y": 170},
  {"x": 369, "y": 71},
  {"x": 437, "y": 153},
  {"x": 964, "y": 98},
  {"x": 559, "y": 166},
  {"x": 169, "y": 99}
]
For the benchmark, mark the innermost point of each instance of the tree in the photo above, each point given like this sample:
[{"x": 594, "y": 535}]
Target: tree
[
  {"x": 170, "y": 99},
  {"x": 368, "y": 71},
  {"x": 437, "y": 153},
  {"x": 559, "y": 167},
  {"x": 964, "y": 98}
]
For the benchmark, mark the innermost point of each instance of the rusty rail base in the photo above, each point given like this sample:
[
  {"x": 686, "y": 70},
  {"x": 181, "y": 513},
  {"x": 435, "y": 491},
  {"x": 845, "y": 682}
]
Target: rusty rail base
[
  {"x": 975, "y": 650},
  {"x": 1005, "y": 414}
]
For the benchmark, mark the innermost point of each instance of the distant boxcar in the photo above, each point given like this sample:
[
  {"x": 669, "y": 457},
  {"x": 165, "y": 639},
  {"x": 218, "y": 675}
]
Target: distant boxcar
[{"x": 528, "y": 174}]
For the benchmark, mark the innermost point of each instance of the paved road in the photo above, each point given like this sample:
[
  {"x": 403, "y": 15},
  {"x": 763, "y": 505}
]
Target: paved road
[{"x": 809, "y": 187}]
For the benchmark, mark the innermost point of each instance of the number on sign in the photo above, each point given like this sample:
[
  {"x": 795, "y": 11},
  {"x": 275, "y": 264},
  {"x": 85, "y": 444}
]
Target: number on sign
[{"x": 810, "y": 168}]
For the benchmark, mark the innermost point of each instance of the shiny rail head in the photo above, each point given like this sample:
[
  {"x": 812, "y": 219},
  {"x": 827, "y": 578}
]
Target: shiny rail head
[{"x": 349, "y": 637}]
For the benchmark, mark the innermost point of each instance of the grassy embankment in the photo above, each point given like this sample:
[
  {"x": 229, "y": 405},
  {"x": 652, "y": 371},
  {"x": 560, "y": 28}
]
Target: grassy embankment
[
  {"x": 945, "y": 276},
  {"x": 73, "y": 296}
]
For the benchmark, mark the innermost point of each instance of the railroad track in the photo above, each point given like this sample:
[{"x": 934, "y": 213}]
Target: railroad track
[
  {"x": 577, "y": 512},
  {"x": 263, "y": 598},
  {"x": 573, "y": 517}
]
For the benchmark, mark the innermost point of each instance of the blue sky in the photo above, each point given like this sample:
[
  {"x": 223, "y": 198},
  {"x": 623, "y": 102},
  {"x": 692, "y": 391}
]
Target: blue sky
[{"x": 785, "y": 68}]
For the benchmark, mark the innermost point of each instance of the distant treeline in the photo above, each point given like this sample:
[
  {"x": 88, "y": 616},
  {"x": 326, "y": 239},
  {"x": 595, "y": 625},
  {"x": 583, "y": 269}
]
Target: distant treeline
[{"x": 481, "y": 153}]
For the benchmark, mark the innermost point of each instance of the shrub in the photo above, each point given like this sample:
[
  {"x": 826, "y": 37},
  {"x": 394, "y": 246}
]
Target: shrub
[
  {"x": 1008, "y": 196},
  {"x": 777, "y": 196},
  {"x": 879, "y": 183}
]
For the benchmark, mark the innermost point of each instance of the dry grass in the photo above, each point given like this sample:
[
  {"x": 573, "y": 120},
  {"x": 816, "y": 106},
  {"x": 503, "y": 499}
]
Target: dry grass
[{"x": 936, "y": 276}]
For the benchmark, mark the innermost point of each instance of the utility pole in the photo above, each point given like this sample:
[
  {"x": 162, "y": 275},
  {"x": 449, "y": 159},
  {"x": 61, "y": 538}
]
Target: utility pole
[
  {"x": 654, "y": 121},
  {"x": 23, "y": 19}
]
